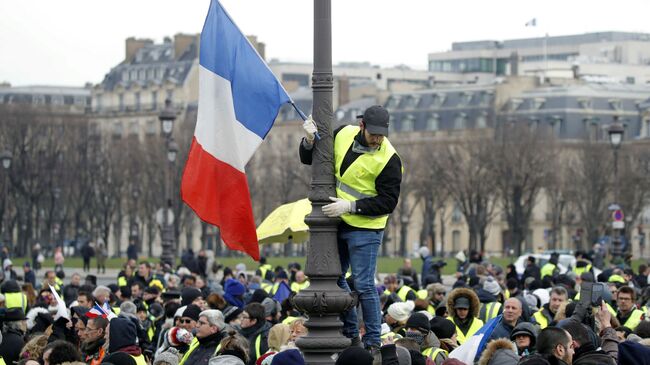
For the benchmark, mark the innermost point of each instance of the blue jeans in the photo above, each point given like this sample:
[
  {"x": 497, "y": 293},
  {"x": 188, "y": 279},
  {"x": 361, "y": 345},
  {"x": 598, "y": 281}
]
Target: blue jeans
[{"x": 359, "y": 250}]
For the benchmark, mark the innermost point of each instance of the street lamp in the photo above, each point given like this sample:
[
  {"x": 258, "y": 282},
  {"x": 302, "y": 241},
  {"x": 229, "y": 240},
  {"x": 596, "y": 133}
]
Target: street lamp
[
  {"x": 323, "y": 301},
  {"x": 616, "y": 132},
  {"x": 5, "y": 156},
  {"x": 167, "y": 117}
]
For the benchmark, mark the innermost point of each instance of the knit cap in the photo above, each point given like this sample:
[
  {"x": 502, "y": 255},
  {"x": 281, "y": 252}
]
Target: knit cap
[
  {"x": 169, "y": 356},
  {"x": 491, "y": 286},
  {"x": 354, "y": 355},
  {"x": 401, "y": 311},
  {"x": 418, "y": 321},
  {"x": 442, "y": 327}
]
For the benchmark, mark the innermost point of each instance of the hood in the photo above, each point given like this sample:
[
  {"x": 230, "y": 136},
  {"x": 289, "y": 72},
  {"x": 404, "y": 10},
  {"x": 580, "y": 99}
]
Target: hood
[
  {"x": 431, "y": 341},
  {"x": 484, "y": 296},
  {"x": 122, "y": 333},
  {"x": 474, "y": 303},
  {"x": 10, "y": 286},
  {"x": 234, "y": 287},
  {"x": 226, "y": 360},
  {"x": 525, "y": 328},
  {"x": 501, "y": 352}
]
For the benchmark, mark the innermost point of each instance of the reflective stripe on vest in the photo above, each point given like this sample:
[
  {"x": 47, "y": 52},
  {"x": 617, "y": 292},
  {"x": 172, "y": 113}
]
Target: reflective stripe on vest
[
  {"x": 476, "y": 325},
  {"x": 432, "y": 354},
  {"x": 431, "y": 309},
  {"x": 634, "y": 320},
  {"x": 121, "y": 281},
  {"x": 541, "y": 319},
  {"x": 547, "y": 270},
  {"x": 489, "y": 311},
  {"x": 297, "y": 287},
  {"x": 266, "y": 287},
  {"x": 403, "y": 292},
  {"x": 193, "y": 345},
  {"x": 358, "y": 181},
  {"x": 263, "y": 269},
  {"x": 139, "y": 360},
  {"x": 258, "y": 345},
  {"x": 16, "y": 300},
  {"x": 2, "y": 361},
  {"x": 422, "y": 294}
]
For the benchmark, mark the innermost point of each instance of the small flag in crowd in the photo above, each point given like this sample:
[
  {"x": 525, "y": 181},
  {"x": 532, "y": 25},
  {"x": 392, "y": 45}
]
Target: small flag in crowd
[
  {"x": 239, "y": 99},
  {"x": 471, "y": 350}
]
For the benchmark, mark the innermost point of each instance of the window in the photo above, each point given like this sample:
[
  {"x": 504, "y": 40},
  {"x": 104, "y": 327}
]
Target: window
[
  {"x": 481, "y": 120},
  {"x": 392, "y": 102},
  {"x": 98, "y": 99},
  {"x": 592, "y": 129},
  {"x": 432, "y": 123},
  {"x": 58, "y": 99},
  {"x": 438, "y": 100},
  {"x": 646, "y": 123},
  {"x": 465, "y": 98},
  {"x": 537, "y": 103},
  {"x": 585, "y": 103},
  {"x": 408, "y": 124},
  {"x": 486, "y": 98},
  {"x": 615, "y": 104},
  {"x": 117, "y": 129},
  {"x": 170, "y": 94},
  {"x": 151, "y": 127},
  {"x": 154, "y": 100},
  {"x": 456, "y": 214},
  {"x": 133, "y": 128},
  {"x": 557, "y": 126},
  {"x": 459, "y": 122},
  {"x": 120, "y": 98},
  {"x": 137, "y": 101},
  {"x": 38, "y": 99},
  {"x": 455, "y": 240}
]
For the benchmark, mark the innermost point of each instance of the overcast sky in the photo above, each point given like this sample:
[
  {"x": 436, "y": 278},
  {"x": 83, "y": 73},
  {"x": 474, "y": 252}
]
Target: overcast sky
[{"x": 70, "y": 42}]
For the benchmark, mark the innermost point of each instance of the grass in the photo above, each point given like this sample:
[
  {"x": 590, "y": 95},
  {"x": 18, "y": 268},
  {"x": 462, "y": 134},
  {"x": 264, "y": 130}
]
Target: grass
[{"x": 385, "y": 264}]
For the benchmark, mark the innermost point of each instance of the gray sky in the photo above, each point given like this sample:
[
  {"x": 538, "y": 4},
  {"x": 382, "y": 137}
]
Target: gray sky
[{"x": 71, "y": 42}]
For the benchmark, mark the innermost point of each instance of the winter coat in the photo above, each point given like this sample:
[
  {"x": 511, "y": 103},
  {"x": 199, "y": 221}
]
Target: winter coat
[
  {"x": 207, "y": 347},
  {"x": 12, "y": 344},
  {"x": 431, "y": 341},
  {"x": 251, "y": 335},
  {"x": 499, "y": 352},
  {"x": 226, "y": 360},
  {"x": 541, "y": 359},
  {"x": 632, "y": 353},
  {"x": 474, "y": 302}
]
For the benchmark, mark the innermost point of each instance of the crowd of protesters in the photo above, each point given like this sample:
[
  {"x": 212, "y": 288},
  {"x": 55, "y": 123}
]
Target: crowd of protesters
[{"x": 200, "y": 313}]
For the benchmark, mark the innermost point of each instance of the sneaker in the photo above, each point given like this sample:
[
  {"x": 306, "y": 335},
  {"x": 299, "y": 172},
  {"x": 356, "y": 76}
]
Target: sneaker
[{"x": 355, "y": 341}]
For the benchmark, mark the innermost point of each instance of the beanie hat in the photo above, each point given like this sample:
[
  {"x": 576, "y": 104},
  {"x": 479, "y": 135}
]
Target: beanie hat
[
  {"x": 419, "y": 321},
  {"x": 288, "y": 357},
  {"x": 258, "y": 296},
  {"x": 491, "y": 286},
  {"x": 401, "y": 311},
  {"x": 178, "y": 336},
  {"x": 423, "y": 251},
  {"x": 270, "y": 306},
  {"x": 169, "y": 356},
  {"x": 230, "y": 313},
  {"x": 192, "y": 311},
  {"x": 188, "y": 295},
  {"x": 442, "y": 327},
  {"x": 354, "y": 355}
]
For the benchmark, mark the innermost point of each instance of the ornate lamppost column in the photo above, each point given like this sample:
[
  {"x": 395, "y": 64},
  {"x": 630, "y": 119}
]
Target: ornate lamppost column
[
  {"x": 167, "y": 117},
  {"x": 323, "y": 301}
]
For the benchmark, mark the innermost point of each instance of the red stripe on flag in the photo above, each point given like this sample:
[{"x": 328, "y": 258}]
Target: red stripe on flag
[{"x": 218, "y": 193}]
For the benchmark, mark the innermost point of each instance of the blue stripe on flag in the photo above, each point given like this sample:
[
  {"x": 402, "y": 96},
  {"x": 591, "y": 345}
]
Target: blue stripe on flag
[
  {"x": 486, "y": 331},
  {"x": 257, "y": 94}
]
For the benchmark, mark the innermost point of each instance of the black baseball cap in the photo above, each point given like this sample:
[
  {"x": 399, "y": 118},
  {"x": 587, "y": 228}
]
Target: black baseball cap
[{"x": 376, "y": 120}]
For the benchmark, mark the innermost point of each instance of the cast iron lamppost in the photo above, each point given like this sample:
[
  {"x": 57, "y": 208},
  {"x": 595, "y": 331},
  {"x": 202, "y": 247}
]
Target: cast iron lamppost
[
  {"x": 323, "y": 301},
  {"x": 616, "y": 132},
  {"x": 5, "y": 156},
  {"x": 167, "y": 117}
]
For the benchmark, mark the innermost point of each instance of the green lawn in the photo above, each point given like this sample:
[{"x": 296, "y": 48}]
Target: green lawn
[{"x": 385, "y": 264}]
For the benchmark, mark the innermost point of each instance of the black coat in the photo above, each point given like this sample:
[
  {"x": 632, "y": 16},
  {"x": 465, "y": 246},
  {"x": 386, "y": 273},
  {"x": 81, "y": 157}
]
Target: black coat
[
  {"x": 206, "y": 349},
  {"x": 12, "y": 344}
]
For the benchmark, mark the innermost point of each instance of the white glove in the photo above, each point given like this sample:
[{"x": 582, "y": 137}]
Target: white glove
[
  {"x": 310, "y": 129},
  {"x": 339, "y": 207}
]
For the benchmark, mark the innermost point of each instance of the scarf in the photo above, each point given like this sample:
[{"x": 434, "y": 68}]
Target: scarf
[
  {"x": 133, "y": 350},
  {"x": 415, "y": 336}
]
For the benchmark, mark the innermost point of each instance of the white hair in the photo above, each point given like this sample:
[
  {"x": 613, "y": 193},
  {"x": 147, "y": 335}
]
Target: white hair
[
  {"x": 214, "y": 317},
  {"x": 101, "y": 289}
]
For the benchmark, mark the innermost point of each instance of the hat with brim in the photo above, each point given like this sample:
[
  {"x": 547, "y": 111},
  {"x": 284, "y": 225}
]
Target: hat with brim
[
  {"x": 376, "y": 120},
  {"x": 461, "y": 303}
]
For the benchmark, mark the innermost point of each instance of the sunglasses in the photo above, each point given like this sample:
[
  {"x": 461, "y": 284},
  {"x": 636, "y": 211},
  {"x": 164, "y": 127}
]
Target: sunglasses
[{"x": 186, "y": 321}]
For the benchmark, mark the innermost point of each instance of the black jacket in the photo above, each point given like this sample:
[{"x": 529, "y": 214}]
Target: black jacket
[
  {"x": 12, "y": 344},
  {"x": 251, "y": 334},
  {"x": 541, "y": 359},
  {"x": 387, "y": 182},
  {"x": 206, "y": 349}
]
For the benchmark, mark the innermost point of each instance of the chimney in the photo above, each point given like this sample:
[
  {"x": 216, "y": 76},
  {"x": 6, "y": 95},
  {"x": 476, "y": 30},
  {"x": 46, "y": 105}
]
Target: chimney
[
  {"x": 182, "y": 43},
  {"x": 259, "y": 46},
  {"x": 133, "y": 45},
  {"x": 344, "y": 90}
]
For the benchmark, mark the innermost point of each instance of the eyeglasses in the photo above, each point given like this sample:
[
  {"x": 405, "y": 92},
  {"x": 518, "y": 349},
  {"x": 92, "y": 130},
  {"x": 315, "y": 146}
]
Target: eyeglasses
[{"x": 187, "y": 321}]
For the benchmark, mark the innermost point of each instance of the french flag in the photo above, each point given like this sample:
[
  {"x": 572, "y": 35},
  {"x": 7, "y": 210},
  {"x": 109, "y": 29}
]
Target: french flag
[
  {"x": 239, "y": 99},
  {"x": 470, "y": 351},
  {"x": 96, "y": 311}
]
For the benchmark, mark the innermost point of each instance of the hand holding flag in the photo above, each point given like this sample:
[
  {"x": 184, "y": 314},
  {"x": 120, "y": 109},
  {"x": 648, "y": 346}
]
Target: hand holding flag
[{"x": 61, "y": 310}]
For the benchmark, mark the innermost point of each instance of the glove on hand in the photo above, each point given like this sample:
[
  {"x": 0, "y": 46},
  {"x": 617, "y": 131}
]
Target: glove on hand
[
  {"x": 310, "y": 129},
  {"x": 338, "y": 208}
]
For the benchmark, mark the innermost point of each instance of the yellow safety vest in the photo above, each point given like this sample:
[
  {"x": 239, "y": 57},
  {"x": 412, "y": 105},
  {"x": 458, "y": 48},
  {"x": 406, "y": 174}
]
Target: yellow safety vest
[
  {"x": 422, "y": 293},
  {"x": 616, "y": 279},
  {"x": 2, "y": 361},
  {"x": 431, "y": 309},
  {"x": 507, "y": 294},
  {"x": 16, "y": 300},
  {"x": 297, "y": 287},
  {"x": 258, "y": 345},
  {"x": 403, "y": 292},
  {"x": 263, "y": 269},
  {"x": 267, "y": 287},
  {"x": 289, "y": 320},
  {"x": 541, "y": 319},
  {"x": 634, "y": 320},
  {"x": 476, "y": 325},
  {"x": 491, "y": 311},
  {"x": 358, "y": 181},
  {"x": 139, "y": 360},
  {"x": 193, "y": 345},
  {"x": 579, "y": 270},
  {"x": 432, "y": 354},
  {"x": 547, "y": 270},
  {"x": 121, "y": 281},
  {"x": 388, "y": 334}
]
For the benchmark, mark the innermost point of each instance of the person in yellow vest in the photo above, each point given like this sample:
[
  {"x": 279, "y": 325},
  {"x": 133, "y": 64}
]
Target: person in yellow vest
[
  {"x": 418, "y": 329},
  {"x": 125, "y": 276},
  {"x": 550, "y": 268},
  {"x": 397, "y": 314},
  {"x": 14, "y": 329},
  {"x": 491, "y": 298},
  {"x": 368, "y": 174},
  {"x": 463, "y": 307},
  {"x": 255, "y": 329},
  {"x": 265, "y": 271},
  {"x": 14, "y": 297},
  {"x": 628, "y": 315},
  {"x": 300, "y": 283},
  {"x": 582, "y": 264},
  {"x": 209, "y": 334},
  {"x": 435, "y": 297},
  {"x": 404, "y": 292},
  {"x": 545, "y": 315},
  {"x": 123, "y": 337},
  {"x": 445, "y": 331},
  {"x": 51, "y": 279},
  {"x": 280, "y": 277},
  {"x": 92, "y": 348}
]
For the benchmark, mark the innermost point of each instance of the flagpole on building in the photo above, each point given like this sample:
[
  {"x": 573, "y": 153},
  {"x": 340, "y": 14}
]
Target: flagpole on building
[{"x": 323, "y": 301}]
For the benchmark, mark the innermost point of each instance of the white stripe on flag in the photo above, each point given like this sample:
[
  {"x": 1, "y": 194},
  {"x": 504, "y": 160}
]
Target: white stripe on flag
[{"x": 217, "y": 129}]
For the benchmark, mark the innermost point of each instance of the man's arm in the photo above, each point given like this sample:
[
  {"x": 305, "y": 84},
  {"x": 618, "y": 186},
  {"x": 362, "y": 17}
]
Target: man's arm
[
  {"x": 387, "y": 185},
  {"x": 307, "y": 148}
]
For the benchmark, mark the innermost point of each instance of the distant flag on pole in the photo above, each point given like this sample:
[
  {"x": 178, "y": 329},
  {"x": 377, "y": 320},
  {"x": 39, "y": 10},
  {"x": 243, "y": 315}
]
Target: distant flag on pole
[
  {"x": 532, "y": 23},
  {"x": 239, "y": 99}
]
